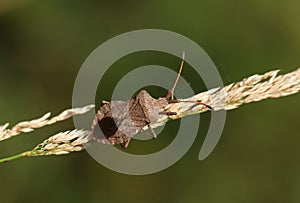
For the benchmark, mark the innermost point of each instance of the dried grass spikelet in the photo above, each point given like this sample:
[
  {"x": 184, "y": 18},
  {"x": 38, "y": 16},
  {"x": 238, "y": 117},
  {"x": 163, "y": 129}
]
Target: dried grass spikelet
[
  {"x": 28, "y": 126},
  {"x": 62, "y": 143},
  {"x": 251, "y": 89}
]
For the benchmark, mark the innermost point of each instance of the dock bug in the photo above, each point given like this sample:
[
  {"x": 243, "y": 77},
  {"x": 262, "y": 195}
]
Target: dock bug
[{"x": 116, "y": 122}]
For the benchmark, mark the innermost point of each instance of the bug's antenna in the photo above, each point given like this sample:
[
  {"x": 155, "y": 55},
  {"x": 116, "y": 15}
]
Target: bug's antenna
[{"x": 171, "y": 92}]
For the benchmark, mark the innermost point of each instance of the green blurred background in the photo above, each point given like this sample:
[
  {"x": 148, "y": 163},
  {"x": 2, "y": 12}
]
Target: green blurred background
[{"x": 44, "y": 43}]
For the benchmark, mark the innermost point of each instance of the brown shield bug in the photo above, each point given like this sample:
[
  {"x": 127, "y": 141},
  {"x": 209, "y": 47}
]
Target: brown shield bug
[{"x": 116, "y": 122}]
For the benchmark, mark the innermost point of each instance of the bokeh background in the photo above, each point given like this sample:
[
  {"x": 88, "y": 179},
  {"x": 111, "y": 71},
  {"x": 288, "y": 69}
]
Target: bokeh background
[{"x": 44, "y": 43}]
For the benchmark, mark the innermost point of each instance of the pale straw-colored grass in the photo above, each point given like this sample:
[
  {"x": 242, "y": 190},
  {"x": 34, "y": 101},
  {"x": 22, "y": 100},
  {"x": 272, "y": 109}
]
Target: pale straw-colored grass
[
  {"x": 62, "y": 143},
  {"x": 28, "y": 126},
  {"x": 250, "y": 89}
]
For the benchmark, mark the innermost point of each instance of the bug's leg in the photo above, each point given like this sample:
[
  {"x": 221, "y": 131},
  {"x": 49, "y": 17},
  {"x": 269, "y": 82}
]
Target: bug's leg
[
  {"x": 126, "y": 143},
  {"x": 171, "y": 92},
  {"x": 112, "y": 140},
  {"x": 152, "y": 132},
  {"x": 171, "y": 113},
  {"x": 191, "y": 101}
]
